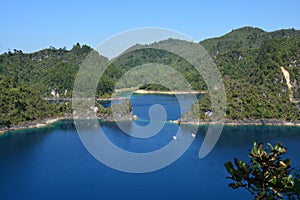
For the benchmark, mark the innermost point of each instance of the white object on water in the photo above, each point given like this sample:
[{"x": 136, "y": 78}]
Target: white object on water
[
  {"x": 174, "y": 137},
  {"x": 193, "y": 135}
]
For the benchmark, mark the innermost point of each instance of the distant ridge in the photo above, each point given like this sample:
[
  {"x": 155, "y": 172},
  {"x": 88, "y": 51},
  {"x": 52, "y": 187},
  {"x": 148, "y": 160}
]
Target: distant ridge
[{"x": 245, "y": 37}]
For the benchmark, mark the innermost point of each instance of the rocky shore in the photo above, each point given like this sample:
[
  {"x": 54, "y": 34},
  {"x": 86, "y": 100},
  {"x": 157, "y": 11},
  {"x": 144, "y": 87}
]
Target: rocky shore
[
  {"x": 46, "y": 122},
  {"x": 70, "y": 99},
  {"x": 32, "y": 124},
  {"x": 241, "y": 122},
  {"x": 131, "y": 117},
  {"x": 120, "y": 112}
]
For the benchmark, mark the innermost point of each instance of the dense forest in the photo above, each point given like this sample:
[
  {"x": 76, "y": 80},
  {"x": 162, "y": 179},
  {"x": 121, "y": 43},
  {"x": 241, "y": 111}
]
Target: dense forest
[
  {"x": 251, "y": 62},
  {"x": 20, "y": 103}
]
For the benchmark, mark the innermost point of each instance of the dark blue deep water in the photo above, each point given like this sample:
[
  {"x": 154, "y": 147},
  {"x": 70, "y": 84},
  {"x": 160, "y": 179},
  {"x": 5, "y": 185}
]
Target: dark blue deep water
[{"x": 51, "y": 163}]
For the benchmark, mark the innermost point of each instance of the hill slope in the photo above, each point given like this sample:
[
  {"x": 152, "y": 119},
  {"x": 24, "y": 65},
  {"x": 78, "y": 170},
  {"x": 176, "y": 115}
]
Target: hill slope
[
  {"x": 251, "y": 62},
  {"x": 260, "y": 70}
]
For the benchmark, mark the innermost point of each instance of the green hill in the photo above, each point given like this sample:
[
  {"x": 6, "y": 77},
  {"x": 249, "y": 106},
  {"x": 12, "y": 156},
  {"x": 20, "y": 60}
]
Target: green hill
[
  {"x": 254, "y": 65},
  {"x": 246, "y": 37},
  {"x": 251, "y": 63},
  {"x": 20, "y": 104}
]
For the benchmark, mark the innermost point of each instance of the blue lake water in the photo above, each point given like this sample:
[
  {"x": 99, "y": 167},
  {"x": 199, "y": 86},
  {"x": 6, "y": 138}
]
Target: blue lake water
[{"x": 52, "y": 163}]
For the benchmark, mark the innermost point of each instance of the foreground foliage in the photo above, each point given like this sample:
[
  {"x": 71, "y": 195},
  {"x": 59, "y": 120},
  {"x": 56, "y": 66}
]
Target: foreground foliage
[{"x": 267, "y": 175}]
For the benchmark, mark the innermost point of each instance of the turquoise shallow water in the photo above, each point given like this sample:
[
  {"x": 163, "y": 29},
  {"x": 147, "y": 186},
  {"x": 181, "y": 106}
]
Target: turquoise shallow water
[{"x": 52, "y": 163}]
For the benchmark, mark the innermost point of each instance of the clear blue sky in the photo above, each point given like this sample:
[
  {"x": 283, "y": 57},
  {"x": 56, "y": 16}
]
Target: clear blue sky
[{"x": 33, "y": 25}]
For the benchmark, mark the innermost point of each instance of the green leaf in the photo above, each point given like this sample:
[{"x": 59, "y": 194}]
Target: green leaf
[
  {"x": 254, "y": 148},
  {"x": 233, "y": 186},
  {"x": 270, "y": 146},
  {"x": 273, "y": 180},
  {"x": 267, "y": 176},
  {"x": 229, "y": 167}
]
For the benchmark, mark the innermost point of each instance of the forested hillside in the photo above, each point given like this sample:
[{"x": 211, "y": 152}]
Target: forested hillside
[
  {"x": 251, "y": 62},
  {"x": 260, "y": 70},
  {"x": 47, "y": 70},
  {"x": 20, "y": 103}
]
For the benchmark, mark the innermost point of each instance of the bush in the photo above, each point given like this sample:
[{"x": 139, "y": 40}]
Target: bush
[{"x": 267, "y": 175}]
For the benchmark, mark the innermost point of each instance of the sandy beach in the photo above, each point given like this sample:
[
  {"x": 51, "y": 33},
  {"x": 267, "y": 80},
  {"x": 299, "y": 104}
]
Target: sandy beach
[{"x": 168, "y": 92}]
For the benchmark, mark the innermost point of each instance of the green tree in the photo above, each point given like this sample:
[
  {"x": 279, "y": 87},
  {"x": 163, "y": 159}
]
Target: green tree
[{"x": 267, "y": 176}]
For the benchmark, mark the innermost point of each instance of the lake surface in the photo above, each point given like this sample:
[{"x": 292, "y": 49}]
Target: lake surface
[{"x": 52, "y": 163}]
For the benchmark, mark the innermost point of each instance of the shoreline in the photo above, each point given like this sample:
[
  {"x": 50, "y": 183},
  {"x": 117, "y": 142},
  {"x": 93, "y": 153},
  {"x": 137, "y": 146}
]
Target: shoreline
[
  {"x": 168, "y": 92},
  {"x": 98, "y": 99},
  {"x": 133, "y": 91},
  {"x": 40, "y": 123},
  {"x": 33, "y": 124},
  {"x": 258, "y": 122},
  {"x": 50, "y": 121}
]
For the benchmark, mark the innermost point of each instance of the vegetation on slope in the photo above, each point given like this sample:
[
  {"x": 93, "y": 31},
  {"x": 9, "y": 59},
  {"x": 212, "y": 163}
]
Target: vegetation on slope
[
  {"x": 249, "y": 60},
  {"x": 255, "y": 85},
  {"x": 20, "y": 104}
]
